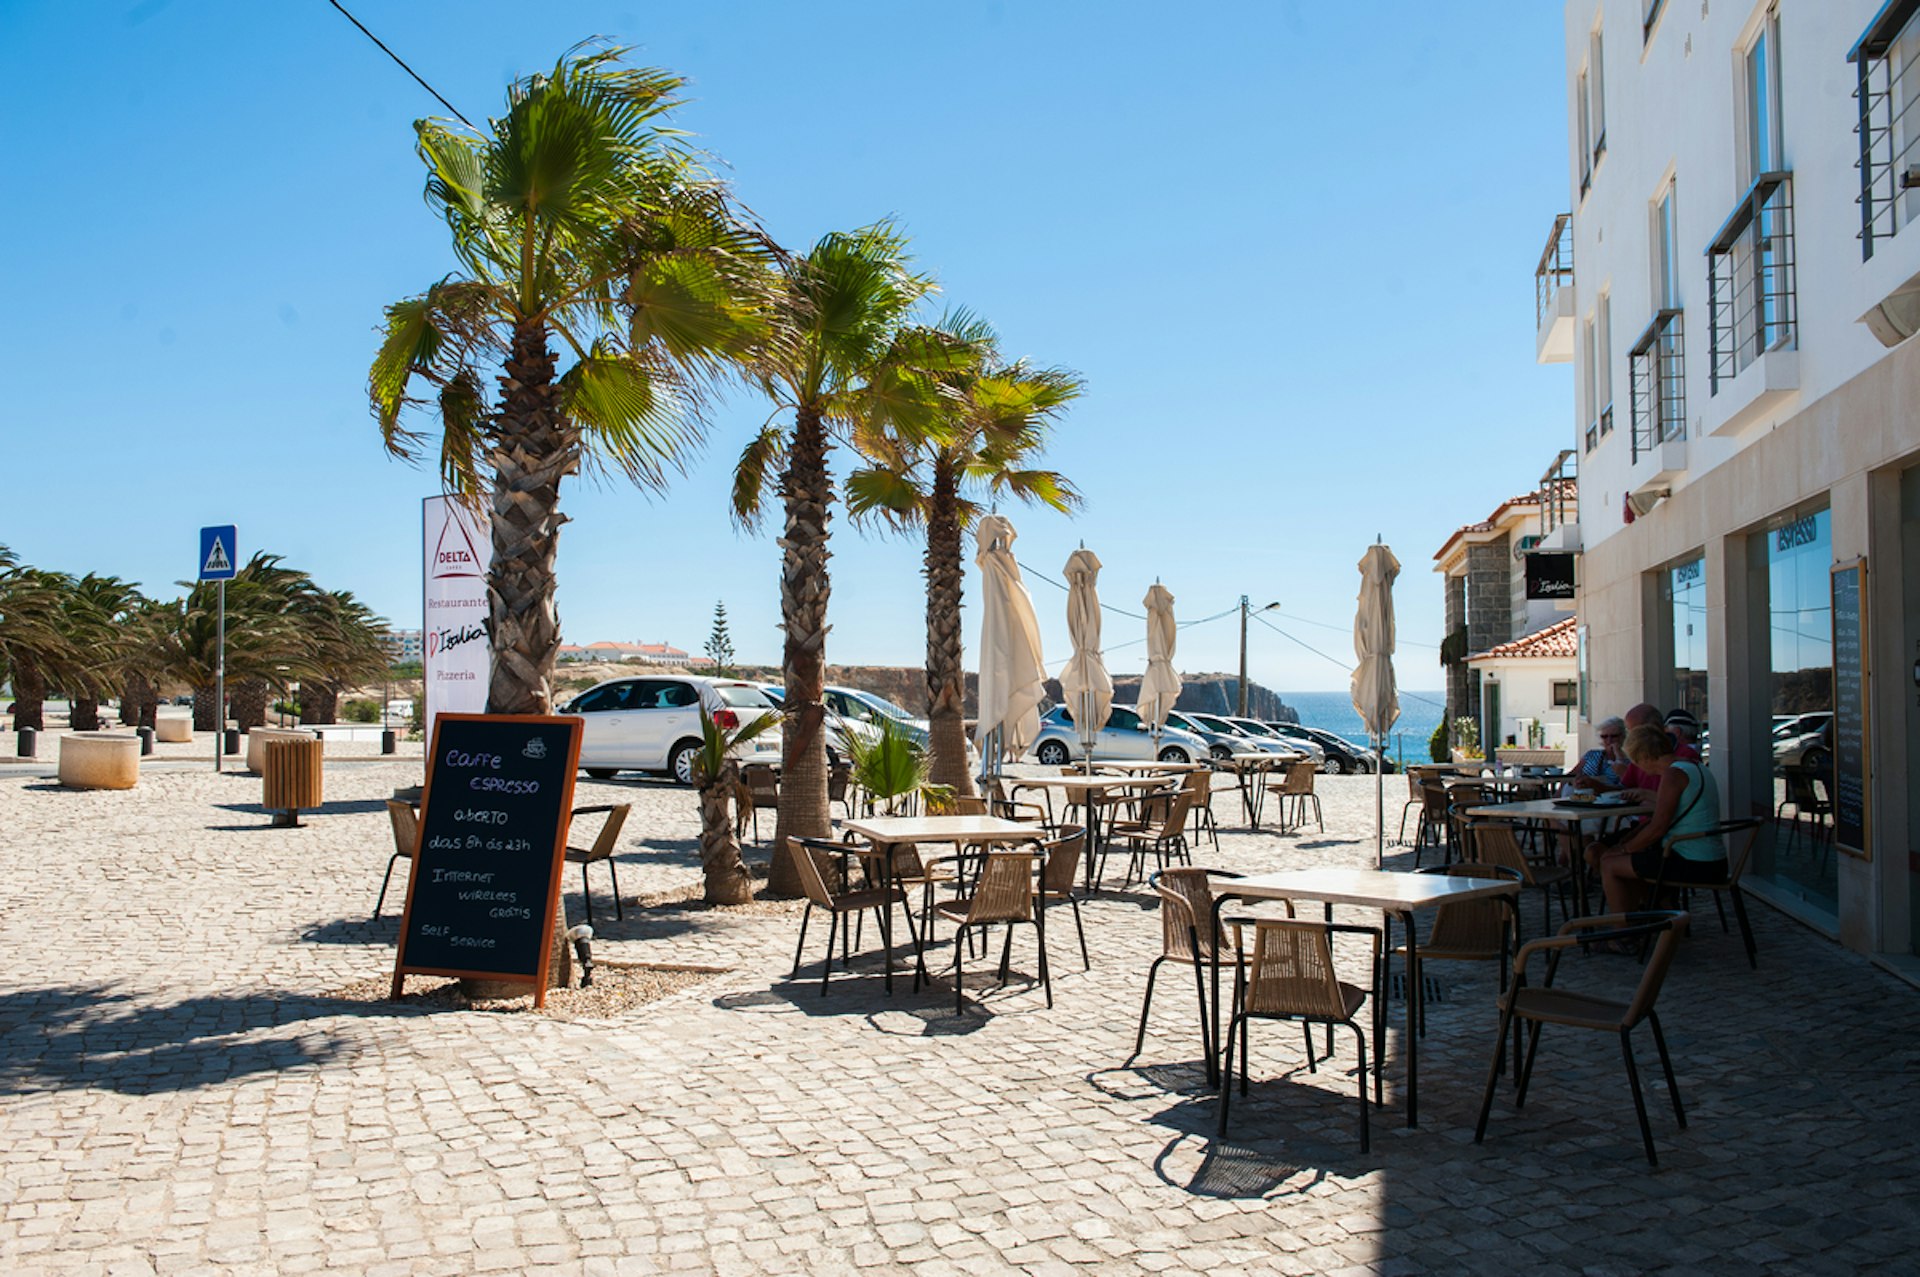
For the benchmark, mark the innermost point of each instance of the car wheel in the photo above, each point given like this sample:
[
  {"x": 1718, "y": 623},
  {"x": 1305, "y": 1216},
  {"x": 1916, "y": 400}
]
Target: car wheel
[
  {"x": 680, "y": 761},
  {"x": 600, "y": 773},
  {"x": 1219, "y": 751},
  {"x": 1174, "y": 754},
  {"x": 1334, "y": 765},
  {"x": 1818, "y": 760},
  {"x": 1052, "y": 753}
]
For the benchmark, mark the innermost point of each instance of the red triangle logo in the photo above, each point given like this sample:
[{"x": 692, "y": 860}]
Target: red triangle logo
[{"x": 455, "y": 555}]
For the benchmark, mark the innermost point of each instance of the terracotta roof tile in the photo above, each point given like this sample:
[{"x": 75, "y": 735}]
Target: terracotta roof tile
[{"x": 1556, "y": 642}]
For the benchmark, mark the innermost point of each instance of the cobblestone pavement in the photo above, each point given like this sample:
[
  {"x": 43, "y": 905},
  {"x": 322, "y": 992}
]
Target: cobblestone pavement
[{"x": 180, "y": 1093}]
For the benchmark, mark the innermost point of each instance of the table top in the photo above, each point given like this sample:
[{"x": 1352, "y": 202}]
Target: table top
[
  {"x": 945, "y": 829},
  {"x": 1142, "y": 765},
  {"x": 1261, "y": 759},
  {"x": 1550, "y": 809},
  {"x": 1086, "y": 782},
  {"x": 1377, "y": 888}
]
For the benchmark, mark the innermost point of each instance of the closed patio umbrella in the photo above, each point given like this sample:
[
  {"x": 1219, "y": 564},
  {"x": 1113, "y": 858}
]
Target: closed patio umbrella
[
  {"x": 1161, "y": 686},
  {"x": 1013, "y": 672},
  {"x": 1374, "y": 695},
  {"x": 1084, "y": 683}
]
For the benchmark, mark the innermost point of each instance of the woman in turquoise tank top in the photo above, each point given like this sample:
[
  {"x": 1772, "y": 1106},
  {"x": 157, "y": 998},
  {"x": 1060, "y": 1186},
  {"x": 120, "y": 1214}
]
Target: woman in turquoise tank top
[{"x": 1686, "y": 803}]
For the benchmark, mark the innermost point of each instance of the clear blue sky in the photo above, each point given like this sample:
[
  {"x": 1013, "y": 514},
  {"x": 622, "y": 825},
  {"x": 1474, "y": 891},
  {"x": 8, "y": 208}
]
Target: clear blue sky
[{"x": 1289, "y": 245}]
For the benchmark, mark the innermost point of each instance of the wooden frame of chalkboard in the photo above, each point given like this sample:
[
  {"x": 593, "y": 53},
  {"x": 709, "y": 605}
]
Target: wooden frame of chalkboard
[
  {"x": 483, "y": 860},
  {"x": 1852, "y": 744}
]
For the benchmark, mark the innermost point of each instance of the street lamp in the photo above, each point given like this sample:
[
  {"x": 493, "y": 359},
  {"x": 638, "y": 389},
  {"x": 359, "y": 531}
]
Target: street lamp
[{"x": 1244, "y": 613}]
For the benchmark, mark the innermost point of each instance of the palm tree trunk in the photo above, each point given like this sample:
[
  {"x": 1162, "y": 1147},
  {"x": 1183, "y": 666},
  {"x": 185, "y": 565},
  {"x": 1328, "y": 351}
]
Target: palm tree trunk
[
  {"x": 946, "y": 672},
  {"x": 248, "y": 698},
  {"x": 319, "y": 702},
  {"x": 536, "y": 447},
  {"x": 206, "y": 714},
  {"x": 726, "y": 876},
  {"x": 85, "y": 714},
  {"x": 29, "y": 695},
  {"x": 807, "y": 490},
  {"x": 137, "y": 700}
]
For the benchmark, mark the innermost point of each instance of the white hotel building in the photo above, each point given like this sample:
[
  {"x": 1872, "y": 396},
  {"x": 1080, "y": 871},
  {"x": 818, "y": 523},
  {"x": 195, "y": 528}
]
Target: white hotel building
[{"x": 1735, "y": 285}]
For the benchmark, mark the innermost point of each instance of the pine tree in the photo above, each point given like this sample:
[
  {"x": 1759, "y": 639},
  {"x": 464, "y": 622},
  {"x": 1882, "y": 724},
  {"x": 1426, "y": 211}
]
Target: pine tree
[{"x": 720, "y": 643}]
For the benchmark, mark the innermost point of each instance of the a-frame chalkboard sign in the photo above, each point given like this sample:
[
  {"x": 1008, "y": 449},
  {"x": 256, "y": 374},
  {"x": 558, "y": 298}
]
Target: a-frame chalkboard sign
[{"x": 493, "y": 840}]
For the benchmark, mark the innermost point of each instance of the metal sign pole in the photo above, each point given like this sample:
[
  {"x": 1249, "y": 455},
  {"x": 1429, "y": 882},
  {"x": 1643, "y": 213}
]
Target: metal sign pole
[{"x": 220, "y": 684}]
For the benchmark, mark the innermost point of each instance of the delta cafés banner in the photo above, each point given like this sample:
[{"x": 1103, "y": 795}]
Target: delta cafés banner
[{"x": 457, "y": 655}]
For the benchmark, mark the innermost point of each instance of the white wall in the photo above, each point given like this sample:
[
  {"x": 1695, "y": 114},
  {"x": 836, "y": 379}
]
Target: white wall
[
  {"x": 1672, "y": 106},
  {"x": 1526, "y": 691}
]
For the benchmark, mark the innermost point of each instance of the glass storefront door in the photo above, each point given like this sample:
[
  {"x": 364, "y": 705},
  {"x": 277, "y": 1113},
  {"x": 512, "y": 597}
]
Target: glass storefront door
[
  {"x": 1798, "y": 553},
  {"x": 1683, "y": 597},
  {"x": 1909, "y": 668}
]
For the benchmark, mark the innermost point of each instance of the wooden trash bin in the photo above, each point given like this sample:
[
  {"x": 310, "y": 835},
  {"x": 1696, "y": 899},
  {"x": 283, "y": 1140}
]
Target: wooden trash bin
[{"x": 291, "y": 779}]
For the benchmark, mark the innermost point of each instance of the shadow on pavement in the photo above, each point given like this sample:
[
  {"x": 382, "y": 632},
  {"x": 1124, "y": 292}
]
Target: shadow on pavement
[{"x": 97, "y": 1037}]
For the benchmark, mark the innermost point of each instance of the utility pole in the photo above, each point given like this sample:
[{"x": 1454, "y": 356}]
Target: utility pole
[{"x": 1244, "y": 613}]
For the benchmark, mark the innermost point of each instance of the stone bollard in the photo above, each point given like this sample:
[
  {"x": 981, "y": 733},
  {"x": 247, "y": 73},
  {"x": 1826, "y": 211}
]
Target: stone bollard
[
  {"x": 27, "y": 743},
  {"x": 146, "y": 740}
]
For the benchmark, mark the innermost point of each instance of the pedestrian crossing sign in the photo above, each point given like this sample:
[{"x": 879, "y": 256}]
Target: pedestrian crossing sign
[{"x": 217, "y": 550}]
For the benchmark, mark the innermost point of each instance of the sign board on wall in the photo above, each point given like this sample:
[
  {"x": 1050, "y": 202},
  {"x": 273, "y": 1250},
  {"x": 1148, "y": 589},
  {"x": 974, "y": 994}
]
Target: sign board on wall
[
  {"x": 493, "y": 825},
  {"x": 456, "y": 653},
  {"x": 1851, "y": 770},
  {"x": 1549, "y": 576}
]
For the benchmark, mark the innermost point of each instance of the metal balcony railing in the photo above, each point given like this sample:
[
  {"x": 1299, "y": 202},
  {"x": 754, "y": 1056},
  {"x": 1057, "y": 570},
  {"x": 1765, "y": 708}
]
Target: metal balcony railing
[
  {"x": 1750, "y": 288},
  {"x": 1888, "y": 99},
  {"x": 1658, "y": 367},
  {"x": 1559, "y": 493},
  {"x": 1555, "y": 270}
]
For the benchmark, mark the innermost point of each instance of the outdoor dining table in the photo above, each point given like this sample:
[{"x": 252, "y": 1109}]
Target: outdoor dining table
[
  {"x": 1150, "y": 767},
  {"x": 1571, "y": 815},
  {"x": 1092, "y": 792},
  {"x": 1396, "y": 895},
  {"x": 889, "y": 833},
  {"x": 1252, "y": 771}
]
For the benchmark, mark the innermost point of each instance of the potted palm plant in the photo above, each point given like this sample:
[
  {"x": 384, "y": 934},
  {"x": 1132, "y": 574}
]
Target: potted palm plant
[
  {"x": 893, "y": 769},
  {"x": 716, "y": 776}
]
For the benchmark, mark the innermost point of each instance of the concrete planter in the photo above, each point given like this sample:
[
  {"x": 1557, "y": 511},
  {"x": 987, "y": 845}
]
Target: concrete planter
[
  {"x": 99, "y": 760},
  {"x": 257, "y": 743},
  {"x": 173, "y": 727}
]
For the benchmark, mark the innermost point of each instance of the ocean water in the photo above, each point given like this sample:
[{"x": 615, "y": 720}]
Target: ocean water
[{"x": 1420, "y": 713}]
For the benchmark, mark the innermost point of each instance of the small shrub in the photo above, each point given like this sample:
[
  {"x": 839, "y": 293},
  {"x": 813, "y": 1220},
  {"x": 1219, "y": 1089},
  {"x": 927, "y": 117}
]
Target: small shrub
[
  {"x": 360, "y": 712},
  {"x": 1437, "y": 743}
]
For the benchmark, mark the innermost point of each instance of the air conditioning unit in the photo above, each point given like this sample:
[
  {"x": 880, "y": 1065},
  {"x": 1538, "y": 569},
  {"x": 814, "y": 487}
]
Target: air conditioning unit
[{"x": 1643, "y": 501}]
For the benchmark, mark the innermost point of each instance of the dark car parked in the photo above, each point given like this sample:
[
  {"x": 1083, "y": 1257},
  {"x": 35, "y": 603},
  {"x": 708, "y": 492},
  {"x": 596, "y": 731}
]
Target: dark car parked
[{"x": 1343, "y": 756}]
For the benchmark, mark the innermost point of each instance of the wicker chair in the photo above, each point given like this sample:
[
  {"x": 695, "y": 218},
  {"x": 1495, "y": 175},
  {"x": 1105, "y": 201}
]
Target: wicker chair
[
  {"x": 1737, "y": 857},
  {"x": 1186, "y": 936},
  {"x": 406, "y": 841},
  {"x": 1432, "y": 829},
  {"x": 1059, "y": 879},
  {"x": 1161, "y": 833},
  {"x": 1003, "y": 894},
  {"x": 1296, "y": 790},
  {"x": 839, "y": 788},
  {"x": 1467, "y": 930},
  {"x": 760, "y": 789},
  {"x": 1493, "y": 842},
  {"x": 1290, "y": 976},
  {"x": 813, "y": 882},
  {"x": 1200, "y": 786},
  {"x": 604, "y": 845},
  {"x": 1548, "y": 1005}
]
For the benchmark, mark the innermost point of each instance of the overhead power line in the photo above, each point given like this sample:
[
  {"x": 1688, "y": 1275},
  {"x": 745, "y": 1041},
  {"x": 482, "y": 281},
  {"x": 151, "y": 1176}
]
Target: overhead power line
[
  {"x": 401, "y": 62},
  {"x": 1336, "y": 660}
]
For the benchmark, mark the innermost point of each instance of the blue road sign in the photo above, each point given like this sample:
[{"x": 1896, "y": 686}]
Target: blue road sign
[{"x": 219, "y": 547}]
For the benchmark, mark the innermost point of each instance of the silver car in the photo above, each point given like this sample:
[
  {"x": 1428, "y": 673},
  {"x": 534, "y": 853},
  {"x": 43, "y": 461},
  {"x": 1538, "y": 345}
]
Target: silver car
[
  {"x": 1291, "y": 743},
  {"x": 1222, "y": 741},
  {"x": 652, "y": 723},
  {"x": 1124, "y": 738}
]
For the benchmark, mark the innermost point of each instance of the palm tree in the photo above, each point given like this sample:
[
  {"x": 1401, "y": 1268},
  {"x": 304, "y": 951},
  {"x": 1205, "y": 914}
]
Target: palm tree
[
  {"x": 994, "y": 420},
  {"x": 95, "y": 628},
  {"x": 838, "y": 312},
  {"x": 345, "y": 650},
  {"x": 578, "y": 217},
  {"x": 716, "y": 774},
  {"x": 32, "y": 647},
  {"x": 264, "y": 643}
]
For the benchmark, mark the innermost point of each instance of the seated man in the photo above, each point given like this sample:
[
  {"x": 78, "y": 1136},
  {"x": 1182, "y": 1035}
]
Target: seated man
[
  {"x": 1686, "y": 802},
  {"x": 1685, "y": 730},
  {"x": 1603, "y": 764}
]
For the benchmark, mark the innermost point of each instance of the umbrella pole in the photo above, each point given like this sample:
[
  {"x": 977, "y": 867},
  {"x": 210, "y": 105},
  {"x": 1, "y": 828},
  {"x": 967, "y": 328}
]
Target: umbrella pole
[
  {"x": 1088, "y": 734},
  {"x": 1379, "y": 808}
]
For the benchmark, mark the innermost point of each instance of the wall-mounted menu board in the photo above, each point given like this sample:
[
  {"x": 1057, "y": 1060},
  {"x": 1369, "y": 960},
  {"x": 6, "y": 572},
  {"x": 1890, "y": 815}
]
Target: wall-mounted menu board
[
  {"x": 493, "y": 829},
  {"x": 1851, "y": 772}
]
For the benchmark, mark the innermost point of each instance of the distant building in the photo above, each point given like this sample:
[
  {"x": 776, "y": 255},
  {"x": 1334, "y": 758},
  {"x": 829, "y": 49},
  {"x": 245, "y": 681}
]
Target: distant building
[
  {"x": 403, "y": 646},
  {"x": 646, "y": 653},
  {"x": 1492, "y": 612}
]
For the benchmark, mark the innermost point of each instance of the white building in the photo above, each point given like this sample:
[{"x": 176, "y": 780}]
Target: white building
[
  {"x": 403, "y": 646},
  {"x": 1734, "y": 286}
]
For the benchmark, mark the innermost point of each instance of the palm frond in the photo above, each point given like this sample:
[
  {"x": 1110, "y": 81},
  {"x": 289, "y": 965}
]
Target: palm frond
[{"x": 751, "y": 475}]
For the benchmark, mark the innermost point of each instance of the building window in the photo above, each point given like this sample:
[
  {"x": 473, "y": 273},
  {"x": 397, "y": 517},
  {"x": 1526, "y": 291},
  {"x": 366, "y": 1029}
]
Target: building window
[
  {"x": 1666, "y": 256},
  {"x": 1597, "y": 86},
  {"x": 1566, "y": 693},
  {"x": 1887, "y": 94},
  {"x": 1760, "y": 72},
  {"x": 1603, "y": 361},
  {"x": 1683, "y": 598},
  {"x": 1585, "y": 116},
  {"x": 1797, "y": 549},
  {"x": 1590, "y": 384}
]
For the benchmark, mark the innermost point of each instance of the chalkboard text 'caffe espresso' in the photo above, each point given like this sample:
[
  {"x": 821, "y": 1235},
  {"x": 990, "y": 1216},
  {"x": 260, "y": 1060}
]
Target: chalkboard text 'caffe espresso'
[{"x": 492, "y": 834}]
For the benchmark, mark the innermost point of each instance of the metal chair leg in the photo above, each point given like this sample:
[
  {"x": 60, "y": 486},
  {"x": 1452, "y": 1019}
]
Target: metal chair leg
[
  {"x": 385, "y": 881},
  {"x": 1639, "y": 1100},
  {"x": 1146, "y": 1005},
  {"x": 1493, "y": 1073},
  {"x": 1365, "y": 1134},
  {"x": 1666, "y": 1066},
  {"x": 1226, "y": 1073},
  {"x": 826, "y": 968},
  {"x": 800, "y": 948},
  {"x": 586, "y": 892},
  {"x": 1746, "y": 928},
  {"x": 619, "y": 910},
  {"x": 1526, "y": 1070}
]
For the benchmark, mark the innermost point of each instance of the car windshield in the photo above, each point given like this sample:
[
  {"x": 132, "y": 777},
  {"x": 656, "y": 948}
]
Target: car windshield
[
  {"x": 742, "y": 696},
  {"x": 883, "y": 705},
  {"x": 1220, "y": 725},
  {"x": 1256, "y": 729}
]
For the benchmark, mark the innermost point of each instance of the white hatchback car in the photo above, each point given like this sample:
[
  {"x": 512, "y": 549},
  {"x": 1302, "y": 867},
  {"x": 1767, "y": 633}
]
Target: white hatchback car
[{"x": 651, "y": 723}]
